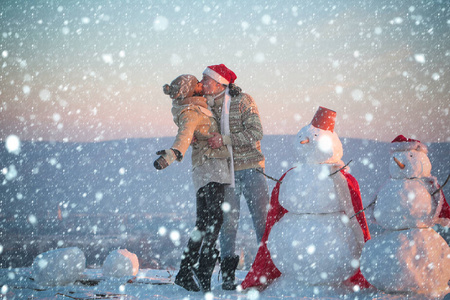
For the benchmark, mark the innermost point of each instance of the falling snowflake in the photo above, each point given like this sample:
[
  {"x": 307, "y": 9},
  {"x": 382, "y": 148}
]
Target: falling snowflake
[{"x": 160, "y": 23}]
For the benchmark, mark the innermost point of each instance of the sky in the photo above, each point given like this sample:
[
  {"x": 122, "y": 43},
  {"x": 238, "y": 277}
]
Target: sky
[{"x": 88, "y": 71}]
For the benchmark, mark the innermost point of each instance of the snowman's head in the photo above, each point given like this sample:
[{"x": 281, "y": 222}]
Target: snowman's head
[
  {"x": 314, "y": 145},
  {"x": 317, "y": 143},
  {"x": 409, "y": 164},
  {"x": 408, "y": 159}
]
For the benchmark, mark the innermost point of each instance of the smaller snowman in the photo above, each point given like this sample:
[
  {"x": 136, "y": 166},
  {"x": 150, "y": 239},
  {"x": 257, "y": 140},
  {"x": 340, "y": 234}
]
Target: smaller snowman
[
  {"x": 409, "y": 256},
  {"x": 310, "y": 238}
]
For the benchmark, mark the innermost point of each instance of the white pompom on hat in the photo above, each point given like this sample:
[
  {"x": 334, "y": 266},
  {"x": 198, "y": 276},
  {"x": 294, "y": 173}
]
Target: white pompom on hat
[
  {"x": 220, "y": 73},
  {"x": 401, "y": 143}
]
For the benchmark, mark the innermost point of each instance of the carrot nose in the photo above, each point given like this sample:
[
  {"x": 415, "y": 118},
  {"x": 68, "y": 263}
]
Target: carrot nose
[
  {"x": 400, "y": 165},
  {"x": 305, "y": 141}
]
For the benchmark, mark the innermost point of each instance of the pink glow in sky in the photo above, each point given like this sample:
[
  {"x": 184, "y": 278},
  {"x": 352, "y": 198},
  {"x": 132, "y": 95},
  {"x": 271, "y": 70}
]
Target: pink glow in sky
[{"x": 95, "y": 71}]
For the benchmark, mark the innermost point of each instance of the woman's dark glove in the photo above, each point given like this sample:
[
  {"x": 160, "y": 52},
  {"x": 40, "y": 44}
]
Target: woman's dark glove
[{"x": 167, "y": 157}]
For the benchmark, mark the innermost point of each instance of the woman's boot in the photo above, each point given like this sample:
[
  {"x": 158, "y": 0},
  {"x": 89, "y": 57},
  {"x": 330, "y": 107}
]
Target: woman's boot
[
  {"x": 185, "y": 276},
  {"x": 207, "y": 262},
  {"x": 228, "y": 266}
]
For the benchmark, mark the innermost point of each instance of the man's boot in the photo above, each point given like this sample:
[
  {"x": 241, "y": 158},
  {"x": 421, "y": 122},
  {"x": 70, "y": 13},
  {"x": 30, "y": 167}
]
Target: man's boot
[
  {"x": 185, "y": 276},
  {"x": 207, "y": 262},
  {"x": 228, "y": 266}
]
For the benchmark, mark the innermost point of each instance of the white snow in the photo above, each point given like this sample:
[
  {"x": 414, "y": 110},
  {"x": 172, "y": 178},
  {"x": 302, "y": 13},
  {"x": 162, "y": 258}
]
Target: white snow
[
  {"x": 120, "y": 263},
  {"x": 417, "y": 164},
  {"x": 58, "y": 267},
  {"x": 418, "y": 261},
  {"x": 31, "y": 218},
  {"x": 409, "y": 256},
  {"x": 160, "y": 23},
  {"x": 259, "y": 57},
  {"x": 313, "y": 197},
  {"x": 15, "y": 283},
  {"x": 404, "y": 204},
  {"x": 420, "y": 58},
  {"x": 314, "y": 243},
  {"x": 158, "y": 284},
  {"x": 44, "y": 95},
  {"x": 328, "y": 142},
  {"x": 13, "y": 144},
  {"x": 357, "y": 95},
  {"x": 107, "y": 58},
  {"x": 312, "y": 249}
]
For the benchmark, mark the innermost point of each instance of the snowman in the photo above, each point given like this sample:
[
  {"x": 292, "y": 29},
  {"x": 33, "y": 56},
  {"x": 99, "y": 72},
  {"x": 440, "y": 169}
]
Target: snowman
[
  {"x": 310, "y": 238},
  {"x": 409, "y": 256}
]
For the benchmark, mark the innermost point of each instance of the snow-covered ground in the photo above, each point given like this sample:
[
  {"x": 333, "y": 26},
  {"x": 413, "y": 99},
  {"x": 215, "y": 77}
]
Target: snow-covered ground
[
  {"x": 369, "y": 166},
  {"x": 158, "y": 284}
]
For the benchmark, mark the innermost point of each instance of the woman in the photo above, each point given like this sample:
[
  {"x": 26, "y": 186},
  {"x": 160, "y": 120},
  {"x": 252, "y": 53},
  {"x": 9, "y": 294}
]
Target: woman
[{"x": 211, "y": 172}]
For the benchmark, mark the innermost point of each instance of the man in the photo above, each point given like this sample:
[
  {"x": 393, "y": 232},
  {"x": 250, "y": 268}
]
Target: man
[{"x": 241, "y": 132}]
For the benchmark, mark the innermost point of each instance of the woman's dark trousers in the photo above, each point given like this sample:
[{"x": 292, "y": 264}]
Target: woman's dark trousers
[{"x": 200, "y": 256}]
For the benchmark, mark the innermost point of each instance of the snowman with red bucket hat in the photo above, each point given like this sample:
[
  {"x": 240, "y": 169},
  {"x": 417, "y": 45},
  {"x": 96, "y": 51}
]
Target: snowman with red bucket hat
[{"x": 310, "y": 237}]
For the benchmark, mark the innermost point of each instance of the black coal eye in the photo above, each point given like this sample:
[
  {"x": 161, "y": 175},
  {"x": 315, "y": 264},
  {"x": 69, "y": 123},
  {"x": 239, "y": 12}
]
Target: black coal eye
[{"x": 315, "y": 135}]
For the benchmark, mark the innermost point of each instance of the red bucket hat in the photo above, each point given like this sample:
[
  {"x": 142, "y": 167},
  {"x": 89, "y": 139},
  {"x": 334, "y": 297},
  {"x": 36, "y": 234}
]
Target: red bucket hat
[{"x": 324, "y": 119}]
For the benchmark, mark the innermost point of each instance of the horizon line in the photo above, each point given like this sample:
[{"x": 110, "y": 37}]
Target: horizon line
[{"x": 3, "y": 140}]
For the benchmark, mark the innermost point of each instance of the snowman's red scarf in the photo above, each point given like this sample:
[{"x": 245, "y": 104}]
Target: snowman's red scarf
[
  {"x": 445, "y": 212},
  {"x": 439, "y": 198},
  {"x": 264, "y": 271}
]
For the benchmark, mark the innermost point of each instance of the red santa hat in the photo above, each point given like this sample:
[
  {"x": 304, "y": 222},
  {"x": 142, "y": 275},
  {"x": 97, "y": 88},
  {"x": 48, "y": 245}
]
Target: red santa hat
[
  {"x": 401, "y": 143},
  {"x": 324, "y": 119},
  {"x": 220, "y": 73}
]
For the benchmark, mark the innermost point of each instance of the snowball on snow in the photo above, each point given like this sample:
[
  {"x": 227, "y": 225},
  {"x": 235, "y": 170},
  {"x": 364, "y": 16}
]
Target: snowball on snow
[
  {"x": 58, "y": 267},
  {"x": 120, "y": 263}
]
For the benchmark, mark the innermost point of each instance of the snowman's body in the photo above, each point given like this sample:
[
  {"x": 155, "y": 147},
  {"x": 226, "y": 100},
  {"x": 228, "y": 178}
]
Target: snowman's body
[
  {"x": 310, "y": 237},
  {"x": 410, "y": 256},
  {"x": 403, "y": 204},
  {"x": 412, "y": 260},
  {"x": 314, "y": 242}
]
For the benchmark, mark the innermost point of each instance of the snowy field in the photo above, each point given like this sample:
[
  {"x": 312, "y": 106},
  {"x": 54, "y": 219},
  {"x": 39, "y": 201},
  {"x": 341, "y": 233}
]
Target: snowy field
[
  {"x": 158, "y": 284},
  {"x": 48, "y": 176}
]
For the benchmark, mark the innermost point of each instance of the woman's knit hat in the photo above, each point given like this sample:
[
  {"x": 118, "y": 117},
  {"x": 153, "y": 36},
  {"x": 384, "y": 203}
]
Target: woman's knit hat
[{"x": 181, "y": 87}]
